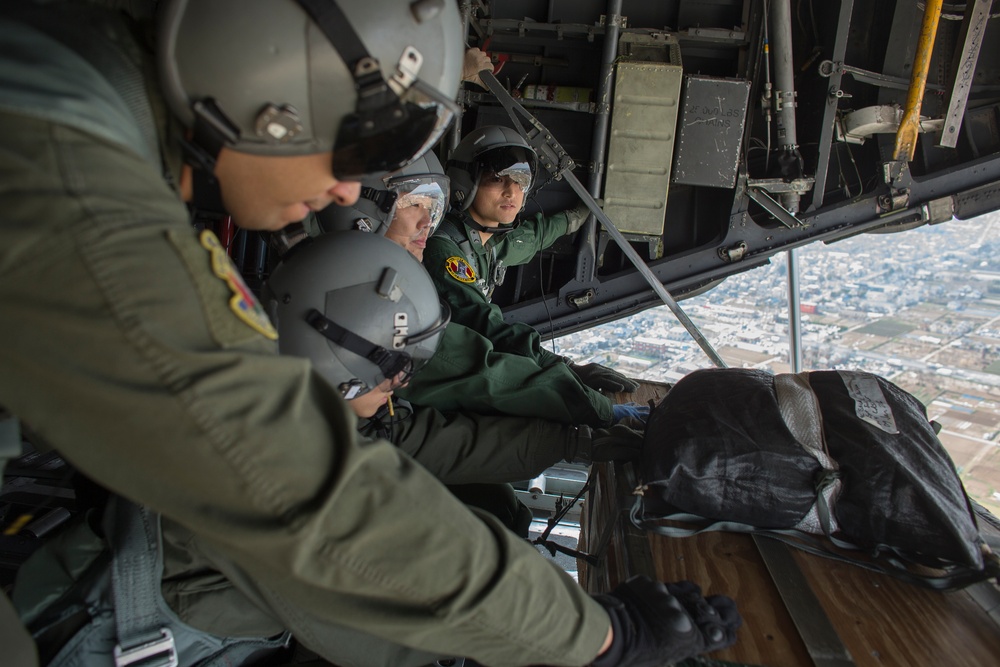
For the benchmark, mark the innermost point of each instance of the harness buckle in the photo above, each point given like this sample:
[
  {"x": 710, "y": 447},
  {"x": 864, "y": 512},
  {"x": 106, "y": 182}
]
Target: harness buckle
[{"x": 156, "y": 652}]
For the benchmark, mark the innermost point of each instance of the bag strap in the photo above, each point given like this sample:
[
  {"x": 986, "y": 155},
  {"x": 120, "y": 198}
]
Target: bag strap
[{"x": 957, "y": 577}]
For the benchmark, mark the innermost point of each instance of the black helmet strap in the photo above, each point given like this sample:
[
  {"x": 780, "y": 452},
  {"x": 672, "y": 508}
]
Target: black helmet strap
[
  {"x": 374, "y": 94},
  {"x": 390, "y": 362},
  {"x": 384, "y": 199}
]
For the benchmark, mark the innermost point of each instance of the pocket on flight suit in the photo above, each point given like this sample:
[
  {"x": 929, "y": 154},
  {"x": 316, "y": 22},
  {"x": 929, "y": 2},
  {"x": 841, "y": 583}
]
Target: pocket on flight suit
[{"x": 233, "y": 313}]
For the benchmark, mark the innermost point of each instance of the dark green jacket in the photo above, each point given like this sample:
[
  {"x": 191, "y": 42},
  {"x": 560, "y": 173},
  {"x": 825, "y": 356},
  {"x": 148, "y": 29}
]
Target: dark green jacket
[
  {"x": 121, "y": 348},
  {"x": 469, "y": 373},
  {"x": 488, "y": 365},
  {"x": 464, "y": 278},
  {"x": 462, "y": 448}
]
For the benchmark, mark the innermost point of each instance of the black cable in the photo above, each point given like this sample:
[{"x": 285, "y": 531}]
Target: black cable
[{"x": 561, "y": 512}]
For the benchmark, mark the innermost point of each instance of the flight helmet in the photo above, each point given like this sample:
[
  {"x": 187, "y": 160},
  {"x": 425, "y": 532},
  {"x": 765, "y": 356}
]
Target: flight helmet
[
  {"x": 372, "y": 80},
  {"x": 359, "y": 306},
  {"x": 420, "y": 183},
  {"x": 492, "y": 148}
]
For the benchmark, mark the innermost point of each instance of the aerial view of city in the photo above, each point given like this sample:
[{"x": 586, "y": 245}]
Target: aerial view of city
[{"x": 920, "y": 308}]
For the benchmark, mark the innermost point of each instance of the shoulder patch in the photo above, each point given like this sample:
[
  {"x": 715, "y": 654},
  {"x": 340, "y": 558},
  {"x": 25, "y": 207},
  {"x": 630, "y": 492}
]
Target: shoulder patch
[
  {"x": 243, "y": 303},
  {"x": 460, "y": 270}
]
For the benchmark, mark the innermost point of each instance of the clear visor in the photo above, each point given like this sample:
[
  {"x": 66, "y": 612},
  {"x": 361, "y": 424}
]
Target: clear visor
[
  {"x": 430, "y": 192},
  {"x": 520, "y": 173},
  {"x": 393, "y": 136},
  {"x": 515, "y": 162}
]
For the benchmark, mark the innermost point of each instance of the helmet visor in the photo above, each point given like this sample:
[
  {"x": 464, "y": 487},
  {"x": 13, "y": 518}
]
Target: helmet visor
[
  {"x": 514, "y": 162},
  {"x": 392, "y": 136},
  {"x": 430, "y": 192}
]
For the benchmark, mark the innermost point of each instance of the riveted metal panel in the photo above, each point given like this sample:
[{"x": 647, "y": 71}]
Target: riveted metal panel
[
  {"x": 710, "y": 134},
  {"x": 641, "y": 145}
]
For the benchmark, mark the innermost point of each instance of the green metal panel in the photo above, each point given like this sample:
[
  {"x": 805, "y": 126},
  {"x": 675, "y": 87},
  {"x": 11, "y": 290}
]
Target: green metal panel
[{"x": 641, "y": 145}]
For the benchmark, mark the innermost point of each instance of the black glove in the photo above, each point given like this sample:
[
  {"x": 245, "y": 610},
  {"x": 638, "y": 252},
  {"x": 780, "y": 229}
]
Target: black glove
[
  {"x": 603, "y": 378},
  {"x": 658, "y": 624},
  {"x": 618, "y": 443}
]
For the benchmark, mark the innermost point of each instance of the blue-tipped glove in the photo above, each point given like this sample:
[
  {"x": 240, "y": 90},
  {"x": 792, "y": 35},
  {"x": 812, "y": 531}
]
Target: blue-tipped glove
[{"x": 622, "y": 411}]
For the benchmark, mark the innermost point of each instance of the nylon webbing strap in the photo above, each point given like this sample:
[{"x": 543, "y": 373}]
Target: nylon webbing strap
[
  {"x": 818, "y": 634},
  {"x": 135, "y": 576}
]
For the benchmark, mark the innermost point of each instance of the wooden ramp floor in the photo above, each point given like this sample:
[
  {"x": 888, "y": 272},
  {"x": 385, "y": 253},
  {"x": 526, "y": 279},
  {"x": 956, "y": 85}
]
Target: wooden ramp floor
[{"x": 879, "y": 620}]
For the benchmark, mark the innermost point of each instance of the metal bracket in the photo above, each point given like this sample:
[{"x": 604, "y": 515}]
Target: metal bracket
[
  {"x": 733, "y": 253},
  {"x": 581, "y": 299},
  {"x": 774, "y": 208},
  {"x": 894, "y": 201}
]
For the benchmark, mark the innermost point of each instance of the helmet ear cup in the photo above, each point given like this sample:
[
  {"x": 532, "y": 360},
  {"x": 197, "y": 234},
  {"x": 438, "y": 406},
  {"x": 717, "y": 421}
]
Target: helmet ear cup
[{"x": 362, "y": 283}]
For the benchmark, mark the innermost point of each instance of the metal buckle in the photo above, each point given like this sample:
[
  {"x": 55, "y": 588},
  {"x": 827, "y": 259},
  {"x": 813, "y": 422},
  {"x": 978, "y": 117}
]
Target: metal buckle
[{"x": 162, "y": 647}]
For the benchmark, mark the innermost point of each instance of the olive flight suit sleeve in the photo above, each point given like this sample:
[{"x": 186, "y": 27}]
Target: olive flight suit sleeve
[
  {"x": 460, "y": 448},
  {"x": 532, "y": 236},
  {"x": 132, "y": 346},
  {"x": 467, "y": 373}
]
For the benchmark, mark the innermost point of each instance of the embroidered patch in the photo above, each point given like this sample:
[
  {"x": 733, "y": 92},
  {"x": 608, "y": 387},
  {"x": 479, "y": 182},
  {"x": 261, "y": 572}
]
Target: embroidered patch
[
  {"x": 243, "y": 304},
  {"x": 460, "y": 270}
]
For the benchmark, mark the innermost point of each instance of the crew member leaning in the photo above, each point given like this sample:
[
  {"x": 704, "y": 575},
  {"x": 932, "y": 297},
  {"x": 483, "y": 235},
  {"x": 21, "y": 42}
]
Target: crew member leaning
[{"x": 133, "y": 347}]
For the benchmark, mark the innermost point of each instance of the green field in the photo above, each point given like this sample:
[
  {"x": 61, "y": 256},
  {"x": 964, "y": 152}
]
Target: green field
[{"x": 887, "y": 328}]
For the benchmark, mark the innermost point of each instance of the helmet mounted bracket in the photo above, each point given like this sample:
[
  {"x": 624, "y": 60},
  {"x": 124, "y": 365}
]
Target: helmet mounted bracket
[{"x": 378, "y": 101}]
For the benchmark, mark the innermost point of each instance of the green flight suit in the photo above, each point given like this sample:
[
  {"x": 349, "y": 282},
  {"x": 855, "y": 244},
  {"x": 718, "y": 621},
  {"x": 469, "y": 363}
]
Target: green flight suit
[
  {"x": 489, "y": 365},
  {"x": 131, "y": 346},
  {"x": 460, "y": 448},
  {"x": 477, "y": 456},
  {"x": 468, "y": 373}
]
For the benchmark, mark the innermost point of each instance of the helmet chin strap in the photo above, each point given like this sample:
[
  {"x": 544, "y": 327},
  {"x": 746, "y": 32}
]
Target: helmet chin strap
[{"x": 471, "y": 223}]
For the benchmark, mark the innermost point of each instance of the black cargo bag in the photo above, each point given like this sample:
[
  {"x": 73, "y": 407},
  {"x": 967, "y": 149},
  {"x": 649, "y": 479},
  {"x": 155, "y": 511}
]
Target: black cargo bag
[{"x": 840, "y": 463}]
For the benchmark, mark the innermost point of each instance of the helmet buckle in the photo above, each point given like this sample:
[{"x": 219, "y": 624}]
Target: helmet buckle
[{"x": 401, "y": 331}]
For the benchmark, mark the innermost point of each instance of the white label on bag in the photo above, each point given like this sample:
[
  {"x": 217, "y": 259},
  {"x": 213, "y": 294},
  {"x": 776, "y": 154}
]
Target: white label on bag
[{"x": 869, "y": 401}]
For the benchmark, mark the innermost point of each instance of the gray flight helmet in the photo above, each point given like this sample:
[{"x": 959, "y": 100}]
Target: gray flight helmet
[
  {"x": 376, "y": 206},
  {"x": 373, "y": 80},
  {"x": 487, "y": 147},
  {"x": 360, "y": 307}
]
